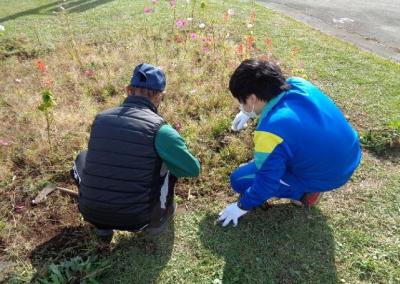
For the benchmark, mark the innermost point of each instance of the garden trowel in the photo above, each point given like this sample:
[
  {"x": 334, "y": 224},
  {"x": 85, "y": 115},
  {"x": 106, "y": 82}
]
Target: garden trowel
[{"x": 42, "y": 196}]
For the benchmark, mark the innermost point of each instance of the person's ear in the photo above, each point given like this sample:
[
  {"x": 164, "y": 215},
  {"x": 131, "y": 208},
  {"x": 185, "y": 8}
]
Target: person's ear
[
  {"x": 253, "y": 99},
  {"x": 129, "y": 90},
  {"x": 162, "y": 95}
]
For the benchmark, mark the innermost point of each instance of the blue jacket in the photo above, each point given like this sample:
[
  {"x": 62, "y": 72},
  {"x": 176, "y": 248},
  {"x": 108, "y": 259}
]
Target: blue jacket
[{"x": 301, "y": 134}]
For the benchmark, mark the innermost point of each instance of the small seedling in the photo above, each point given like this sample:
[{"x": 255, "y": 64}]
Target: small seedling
[{"x": 46, "y": 107}]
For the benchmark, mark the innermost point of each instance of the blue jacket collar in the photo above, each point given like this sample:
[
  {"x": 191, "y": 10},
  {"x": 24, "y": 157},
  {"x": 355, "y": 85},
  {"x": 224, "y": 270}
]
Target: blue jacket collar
[{"x": 269, "y": 105}]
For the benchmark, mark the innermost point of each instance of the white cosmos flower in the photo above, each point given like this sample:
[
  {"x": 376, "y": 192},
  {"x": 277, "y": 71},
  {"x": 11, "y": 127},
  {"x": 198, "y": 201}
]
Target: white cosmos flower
[
  {"x": 202, "y": 25},
  {"x": 2, "y": 28},
  {"x": 249, "y": 26}
]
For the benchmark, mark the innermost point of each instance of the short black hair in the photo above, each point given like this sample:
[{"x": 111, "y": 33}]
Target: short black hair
[{"x": 262, "y": 78}]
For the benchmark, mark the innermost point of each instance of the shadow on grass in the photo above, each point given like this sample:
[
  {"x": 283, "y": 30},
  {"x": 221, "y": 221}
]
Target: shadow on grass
[
  {"x": 76, "y": 6},
  {"x": 281, "y": 245},
  {"x": 140, "y": 259},
  {"x": 137, "y": 258},
  {"x": 69, "y": 243}
]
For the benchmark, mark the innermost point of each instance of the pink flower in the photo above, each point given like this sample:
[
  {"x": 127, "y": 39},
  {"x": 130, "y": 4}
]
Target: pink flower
[
  {"x": 154, "y": 2},
  {"x": 206, "y": 49},
  {"x": 193, "y": 35},
  {"x": 89, "y": 73},
  {"x": 147, "y": 10},
  {"x": 49, "y": 83},
  {"x": 181, "y": 23},
  {"x": 172, "y": 3},
  {"x": 178, "y": 126},
  {"x": 4, "y": 142}
]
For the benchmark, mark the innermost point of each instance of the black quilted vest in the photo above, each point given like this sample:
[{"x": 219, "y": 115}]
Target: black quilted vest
[{"x": 121, "y": 177}]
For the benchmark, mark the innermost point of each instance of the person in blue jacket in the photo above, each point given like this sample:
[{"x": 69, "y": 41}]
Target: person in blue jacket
[{"x": 303, "y": 144}]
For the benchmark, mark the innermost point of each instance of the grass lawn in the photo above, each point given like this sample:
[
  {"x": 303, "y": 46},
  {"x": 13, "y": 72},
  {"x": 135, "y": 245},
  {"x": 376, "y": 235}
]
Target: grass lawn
[{"x": 84, "y": 54}]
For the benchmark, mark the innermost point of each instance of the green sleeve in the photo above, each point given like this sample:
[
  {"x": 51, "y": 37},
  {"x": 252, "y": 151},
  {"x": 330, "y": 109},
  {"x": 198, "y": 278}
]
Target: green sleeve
[{"x": 173, "y": 151}]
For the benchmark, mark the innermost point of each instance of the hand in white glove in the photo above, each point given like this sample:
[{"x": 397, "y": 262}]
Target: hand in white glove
[
  {"x": 231, "y": 213},
  {"x": 240, "y": 121}
]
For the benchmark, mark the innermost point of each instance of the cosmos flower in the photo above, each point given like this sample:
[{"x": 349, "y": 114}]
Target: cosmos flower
[{"x": 181, "y": 23}]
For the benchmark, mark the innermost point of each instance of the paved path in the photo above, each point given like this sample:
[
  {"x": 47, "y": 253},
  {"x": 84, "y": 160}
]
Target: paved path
[{"x": 372, "y": 25}]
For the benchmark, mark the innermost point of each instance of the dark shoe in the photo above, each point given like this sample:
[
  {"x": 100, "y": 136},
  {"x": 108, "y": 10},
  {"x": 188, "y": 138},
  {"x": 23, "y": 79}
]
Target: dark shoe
[
  {"x": 104, "y": 235},
  {"x": 168, "y": 216},
  {"x": 311, "y": 198}
]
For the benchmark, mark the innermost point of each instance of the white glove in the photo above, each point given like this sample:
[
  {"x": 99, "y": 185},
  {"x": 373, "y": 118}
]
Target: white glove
[
  {"x": 231, "y": 213},
  {"x": 240, "y": 121}
]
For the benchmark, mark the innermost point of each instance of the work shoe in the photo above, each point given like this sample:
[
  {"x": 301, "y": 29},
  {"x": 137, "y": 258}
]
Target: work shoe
[
  {"x": 104, "y": 235},
  {"x": 165, "y": 219},
  {"x": 311, "y": 198},
  {"x": 296, "y": 202}
]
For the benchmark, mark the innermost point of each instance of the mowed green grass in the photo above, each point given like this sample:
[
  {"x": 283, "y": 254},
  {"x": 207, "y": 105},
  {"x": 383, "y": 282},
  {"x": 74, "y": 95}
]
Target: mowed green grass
[{"x": 352, "y": 236}]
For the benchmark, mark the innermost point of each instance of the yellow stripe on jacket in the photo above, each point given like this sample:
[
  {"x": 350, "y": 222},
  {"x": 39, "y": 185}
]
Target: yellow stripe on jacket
[{"x": 264, "y": 144}]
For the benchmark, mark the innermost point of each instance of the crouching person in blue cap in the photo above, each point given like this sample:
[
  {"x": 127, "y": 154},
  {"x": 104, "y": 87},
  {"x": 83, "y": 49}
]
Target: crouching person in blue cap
[
  {"x": 303, "y": 145},
  {"x": 126, "y": 177}
]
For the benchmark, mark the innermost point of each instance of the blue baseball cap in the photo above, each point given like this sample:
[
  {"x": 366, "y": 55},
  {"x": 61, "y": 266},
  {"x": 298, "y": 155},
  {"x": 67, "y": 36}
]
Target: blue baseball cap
[{"x": 147, "y": 76}]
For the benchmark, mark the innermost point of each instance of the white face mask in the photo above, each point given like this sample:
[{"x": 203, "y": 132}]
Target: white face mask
[{"x": 250, "y": 114}]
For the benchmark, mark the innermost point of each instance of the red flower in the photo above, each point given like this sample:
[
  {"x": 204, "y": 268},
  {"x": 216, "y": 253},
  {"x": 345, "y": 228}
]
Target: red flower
[
  {"x": 268, "y": 41},
  {"x": 41, "y": 66},
  {"x": 250, "y": 42},
  {"x": 240, "y": 49}
]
